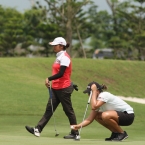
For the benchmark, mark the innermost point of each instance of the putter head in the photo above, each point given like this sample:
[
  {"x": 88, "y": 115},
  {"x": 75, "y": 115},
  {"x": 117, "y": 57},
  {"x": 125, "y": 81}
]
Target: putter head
[
  {"x": 57, "y": 134},
  {"x": 77, "y": 138}
]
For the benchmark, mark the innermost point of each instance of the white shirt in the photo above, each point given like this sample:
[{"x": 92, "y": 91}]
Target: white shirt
[
  {"x": 62, "y": 58},
  {"x": 113, "y": 102}
]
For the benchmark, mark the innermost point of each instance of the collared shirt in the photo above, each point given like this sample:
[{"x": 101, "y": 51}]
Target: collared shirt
[
  {"x": 62, "y": 58},
  {"x": 113, "y": 102}
]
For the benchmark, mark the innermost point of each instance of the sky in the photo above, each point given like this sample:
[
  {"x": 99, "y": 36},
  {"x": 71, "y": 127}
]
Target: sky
[{"x": 22, "y": 5}]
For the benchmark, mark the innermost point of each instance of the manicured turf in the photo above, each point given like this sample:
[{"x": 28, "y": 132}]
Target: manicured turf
[
  {"x": 23, "y": 98},
  {"x": 26, "y": 140},
  {"x": 12, "y": 130}
]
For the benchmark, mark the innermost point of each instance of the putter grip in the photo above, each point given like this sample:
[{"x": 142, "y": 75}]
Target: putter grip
[
  {"x": 49, "y": 90},
  {"x": 90, "y": 97}
]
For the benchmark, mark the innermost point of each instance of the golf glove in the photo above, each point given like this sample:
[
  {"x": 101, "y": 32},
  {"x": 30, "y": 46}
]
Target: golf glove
[{"x": 75, "y": 87}]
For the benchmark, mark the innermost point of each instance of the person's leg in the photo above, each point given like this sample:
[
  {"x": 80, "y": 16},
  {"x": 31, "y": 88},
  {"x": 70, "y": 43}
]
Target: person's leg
[
  {"x": 125, "y": 119},
  {"x": 65, "y": 99},
  {"x": 48, "y": 112},
  {"x": 46, "y": 117},
  {"x": 112, "y": 120},
  {"x": 109, "y": 119}
]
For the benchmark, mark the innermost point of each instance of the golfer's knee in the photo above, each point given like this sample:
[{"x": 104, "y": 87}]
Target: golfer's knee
[{"x": 105, "y": 116}]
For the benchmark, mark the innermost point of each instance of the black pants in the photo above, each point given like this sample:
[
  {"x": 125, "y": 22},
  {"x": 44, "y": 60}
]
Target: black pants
[{"x": 62, "y": 96}]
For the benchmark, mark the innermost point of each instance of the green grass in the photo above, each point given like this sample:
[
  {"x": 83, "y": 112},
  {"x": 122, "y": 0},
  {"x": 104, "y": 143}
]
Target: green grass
[{"x": 24, "y": 96}]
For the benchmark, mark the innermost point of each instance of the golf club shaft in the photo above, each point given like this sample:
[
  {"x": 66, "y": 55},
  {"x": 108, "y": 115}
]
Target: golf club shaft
[
  {"x": 54, "y": 123},
  {"x": 86, "y": 110}
]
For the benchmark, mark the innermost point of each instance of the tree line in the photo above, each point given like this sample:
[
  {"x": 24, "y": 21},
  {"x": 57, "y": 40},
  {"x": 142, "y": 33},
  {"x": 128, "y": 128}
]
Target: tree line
[{"x": 123, "y": 29}]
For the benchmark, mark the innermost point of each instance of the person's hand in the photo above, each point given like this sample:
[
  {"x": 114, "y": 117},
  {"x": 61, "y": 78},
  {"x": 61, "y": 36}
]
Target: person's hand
[
  {"x": 75, "y": 87},
  {"x": 75, "y": 127},
  {"x": 47, "y": 84},
  {"x": 93, "y": 87}
]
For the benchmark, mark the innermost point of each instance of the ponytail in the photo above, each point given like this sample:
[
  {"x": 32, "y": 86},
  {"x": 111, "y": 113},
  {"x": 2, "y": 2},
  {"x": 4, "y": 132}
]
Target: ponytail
[
  {"x": 67, "y": 46},
  {"x": 102, "y": 88}
]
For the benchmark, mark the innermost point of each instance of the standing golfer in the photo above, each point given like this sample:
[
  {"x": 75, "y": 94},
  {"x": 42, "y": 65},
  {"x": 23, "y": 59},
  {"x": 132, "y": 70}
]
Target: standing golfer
[
  {"x": 61, "y": 88},
  {"x": 108, "y": 110}
]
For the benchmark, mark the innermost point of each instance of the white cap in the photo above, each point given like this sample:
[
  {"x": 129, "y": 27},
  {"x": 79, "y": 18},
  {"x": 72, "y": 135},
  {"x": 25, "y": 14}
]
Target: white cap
[{"x": 58, "y": 40}]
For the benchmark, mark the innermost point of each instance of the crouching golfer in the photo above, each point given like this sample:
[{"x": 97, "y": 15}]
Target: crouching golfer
[{"x": 108, "y": 110}]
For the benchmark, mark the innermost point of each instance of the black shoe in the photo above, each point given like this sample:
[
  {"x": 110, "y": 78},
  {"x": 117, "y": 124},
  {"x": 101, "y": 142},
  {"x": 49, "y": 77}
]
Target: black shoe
[
  {"x": 120, "y": 136},
  {"x": 30, "y": 129},
  {"x": 113, "y": 135},
  {"x": 70, "y": 136}
]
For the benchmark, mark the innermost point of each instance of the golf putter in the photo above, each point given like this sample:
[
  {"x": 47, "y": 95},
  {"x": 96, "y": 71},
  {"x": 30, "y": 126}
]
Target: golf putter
[
  {"x": 54, "y": 123},
  {"x": 78, "y": 136}
]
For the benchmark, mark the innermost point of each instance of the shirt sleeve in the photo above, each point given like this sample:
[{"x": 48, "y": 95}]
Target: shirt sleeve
[
  {"x": 103, "y": 97},
  {"x": 65, "y": 61},
  {"x": 59, "y": 74}
]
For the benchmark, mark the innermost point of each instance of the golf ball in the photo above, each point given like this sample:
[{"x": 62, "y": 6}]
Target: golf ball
[{"x": 72, "y": 127}]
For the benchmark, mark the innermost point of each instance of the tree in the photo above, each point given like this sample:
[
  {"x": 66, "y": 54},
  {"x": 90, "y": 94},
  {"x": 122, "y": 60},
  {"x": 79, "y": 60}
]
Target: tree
[
  {"x": 137, "y": 20},
  {"x": 129, "y": 27},
  {"x": 119, "y": 29},
  {"x": 47, "y": 32},
  {"x": 10, "y": 31},
  {"x": 64, "y": 14},
  {"x": 101, "y": 30},
  {"x": 31, "y": 22}
]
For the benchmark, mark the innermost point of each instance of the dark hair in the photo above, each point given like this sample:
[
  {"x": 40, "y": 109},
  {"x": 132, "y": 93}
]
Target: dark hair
[
  {"x": 102, "y": 88},
  {"x": 65, "y": 47}
]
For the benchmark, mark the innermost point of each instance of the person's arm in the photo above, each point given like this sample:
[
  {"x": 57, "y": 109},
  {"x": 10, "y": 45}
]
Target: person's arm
[
  {"x": 59, "y": 74},
  {"x": 95, "y": 104},
  {"x": 56, "y": 76},
  {"x": 87, "y": 121}
]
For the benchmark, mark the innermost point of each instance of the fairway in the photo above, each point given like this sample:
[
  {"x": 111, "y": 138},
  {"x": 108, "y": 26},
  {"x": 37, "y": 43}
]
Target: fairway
[
  {"x": 22, "y": 138},
  {"x": 25, "y": 140},
  {"x": 13, "y": 133},
  {"x": 24, "y": 96}
]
